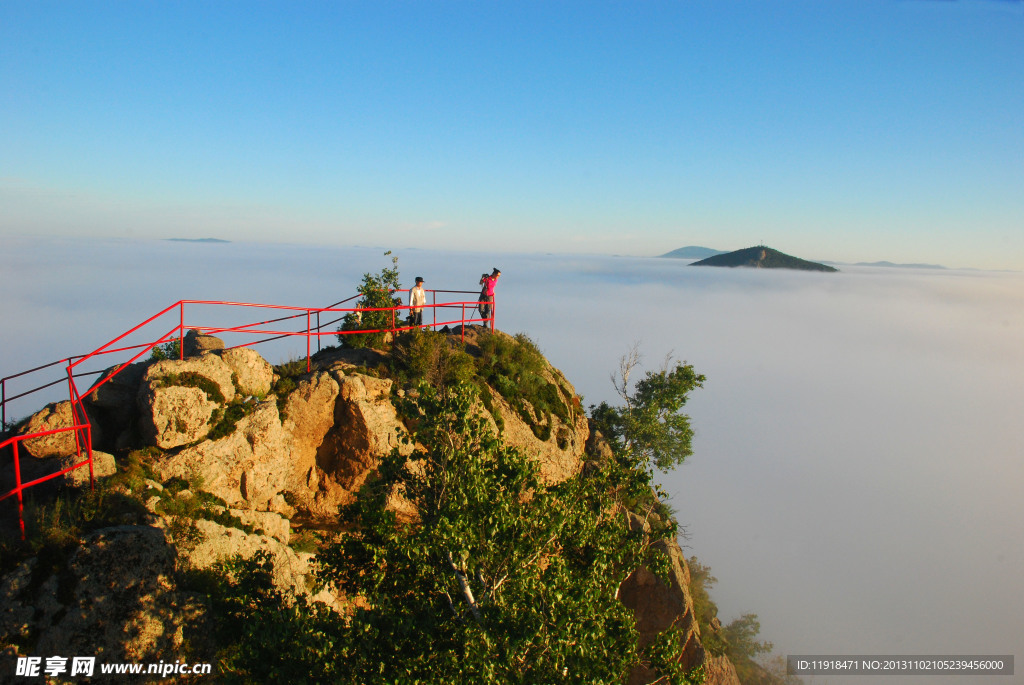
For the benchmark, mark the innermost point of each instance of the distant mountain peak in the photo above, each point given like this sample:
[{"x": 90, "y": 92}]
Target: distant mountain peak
[
  {"x": 692, "y": 252},
  {"x": 762, "y": 257}
]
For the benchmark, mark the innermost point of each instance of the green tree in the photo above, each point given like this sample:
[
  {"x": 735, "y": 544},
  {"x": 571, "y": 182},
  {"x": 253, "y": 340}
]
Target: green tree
[
  {"x": 378, "y": 297},
  {"x": 650, "y": 424},
  {"x": 497, "y": 578}
]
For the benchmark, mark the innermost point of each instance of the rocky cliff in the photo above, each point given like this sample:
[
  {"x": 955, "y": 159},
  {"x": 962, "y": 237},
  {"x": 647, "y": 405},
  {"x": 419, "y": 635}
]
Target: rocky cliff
[{"x": 221, "y": 455}]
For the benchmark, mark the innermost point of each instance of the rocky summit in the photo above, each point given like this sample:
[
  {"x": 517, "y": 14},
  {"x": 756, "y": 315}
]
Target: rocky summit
[{"x": 223, "y": 456}]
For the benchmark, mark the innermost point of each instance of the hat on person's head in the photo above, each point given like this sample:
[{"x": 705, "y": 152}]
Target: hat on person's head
[
  {"x": 496, "y": 271},
  {"x": 419, "y": 279}
]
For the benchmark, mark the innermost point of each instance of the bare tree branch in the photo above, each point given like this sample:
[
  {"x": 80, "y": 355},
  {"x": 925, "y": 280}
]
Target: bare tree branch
[
  {"x": 627, "y": 363},
  {"x": 467, "y": 592}
]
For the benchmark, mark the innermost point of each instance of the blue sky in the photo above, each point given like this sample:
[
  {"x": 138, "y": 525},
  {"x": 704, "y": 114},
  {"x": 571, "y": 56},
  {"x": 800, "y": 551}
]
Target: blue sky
[{"x": 847, "y": 130}]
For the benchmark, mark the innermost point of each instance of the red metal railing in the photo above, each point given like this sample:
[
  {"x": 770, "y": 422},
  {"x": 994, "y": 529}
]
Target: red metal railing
[{"x": 82, "y": 429}]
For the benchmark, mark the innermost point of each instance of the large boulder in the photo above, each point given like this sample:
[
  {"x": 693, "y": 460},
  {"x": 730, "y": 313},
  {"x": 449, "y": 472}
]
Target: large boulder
[
  {"x": 341, "y": 425},
  {"x": 174, "y": 409},
  {"x": 172, "y": 416},
  {"x": 116, "y": 600},
  {"x": 366, "y": 429},
  {"x": 197, "y": 343},
  {"x": 53, "y": 416},
  {"x": 208, "y": 366},
  {"x": 254, "y": 374},
  {"x": 219, "y": 543},
  {"x": 103, "y": 465},
  {"x": 117, "y": 389},
  {"x": 248, "y": 469},
  {"x": 308, "y": 417}
]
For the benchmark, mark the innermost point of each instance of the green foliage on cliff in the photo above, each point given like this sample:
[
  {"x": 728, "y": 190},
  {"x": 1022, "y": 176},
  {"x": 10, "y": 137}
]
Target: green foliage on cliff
[
  {"x": 422, "y": 355},
  {"x": 512, "y": 365},
  {"x": 496, "y": 578},
  {"x": 515, "y": 368}
]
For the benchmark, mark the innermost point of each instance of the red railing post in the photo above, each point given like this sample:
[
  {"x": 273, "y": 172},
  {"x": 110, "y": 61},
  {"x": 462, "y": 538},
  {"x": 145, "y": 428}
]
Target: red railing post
[
  {"x": 17, "y": 487},
  {"x": 74, "y": 415},
  {"x": 433, "y": 310},
  {"x": 92, "y": 475},
  {"x": 318, "y": 330},
  {"x": 181, "y": 331},
  {"x": 462, "y": 327},
  {"x": 3, "y": 405},
  {"x": 308, "y": 365}
]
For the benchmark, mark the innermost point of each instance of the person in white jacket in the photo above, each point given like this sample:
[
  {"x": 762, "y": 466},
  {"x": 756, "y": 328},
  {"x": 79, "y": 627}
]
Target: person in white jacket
[{"x": 417, "y": 298}]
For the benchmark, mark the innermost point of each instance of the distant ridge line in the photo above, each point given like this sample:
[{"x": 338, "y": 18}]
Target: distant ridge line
[{"x": 692, "y": 252}]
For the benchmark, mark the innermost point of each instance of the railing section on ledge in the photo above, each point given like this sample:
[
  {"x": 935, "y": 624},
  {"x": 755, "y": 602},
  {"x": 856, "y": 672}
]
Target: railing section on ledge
[{"x": 305, "y": 322}]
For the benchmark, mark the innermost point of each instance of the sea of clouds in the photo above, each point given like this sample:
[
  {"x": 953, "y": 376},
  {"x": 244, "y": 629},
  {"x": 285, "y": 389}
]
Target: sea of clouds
[{"x": 857, "y": 478}]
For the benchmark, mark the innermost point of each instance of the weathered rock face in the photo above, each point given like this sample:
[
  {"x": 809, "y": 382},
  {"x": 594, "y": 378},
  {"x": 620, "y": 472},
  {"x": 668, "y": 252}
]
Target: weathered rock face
[
  {"x": 557, "y": 461},
  {"x": 51, "y": 417},
  {"x": 247, "y": 469},
  {"x": 208, "y": 366},
  {"x": 658, "y": 606},
  {"x": 718, "y": 670},
  {"x": 220, "y": 543},
  {"x": 175, "y": 415},
  {"x": 253, "y": 373},
  {"x": 341, "y": 424},
  {"x": 96, "y": 608},
  {"x": 172, "y": 414},
  {"x": 366, "y": 428},
  {"x": 309, "y": 415},
  {"x": 196, "y": 343}
]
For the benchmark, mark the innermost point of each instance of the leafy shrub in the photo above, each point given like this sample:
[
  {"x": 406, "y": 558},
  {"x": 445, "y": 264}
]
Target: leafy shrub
[
  {"x": 515, "y": 368},
  {"x": 650, "y": 426},
  {"x": 169, "y": 350},
  {"x": 435, "y": 358},
  {"x": 377, "y": 293}
]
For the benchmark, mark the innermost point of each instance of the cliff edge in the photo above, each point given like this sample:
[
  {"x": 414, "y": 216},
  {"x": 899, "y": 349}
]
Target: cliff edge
[{"x": 223, "y": 457}]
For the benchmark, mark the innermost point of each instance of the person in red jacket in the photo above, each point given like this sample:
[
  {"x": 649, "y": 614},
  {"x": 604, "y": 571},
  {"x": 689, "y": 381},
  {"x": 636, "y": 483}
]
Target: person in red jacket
[{"x": 487, "y": 295}]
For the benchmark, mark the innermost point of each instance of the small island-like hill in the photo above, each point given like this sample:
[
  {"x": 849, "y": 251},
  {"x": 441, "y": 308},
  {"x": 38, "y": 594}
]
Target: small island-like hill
[
  {"x": 761, "y": 257},
  {"x": 692, "y": 252}
]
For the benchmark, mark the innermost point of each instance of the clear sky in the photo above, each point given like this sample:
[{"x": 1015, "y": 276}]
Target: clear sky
[{"x": 849, "y": 130}]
